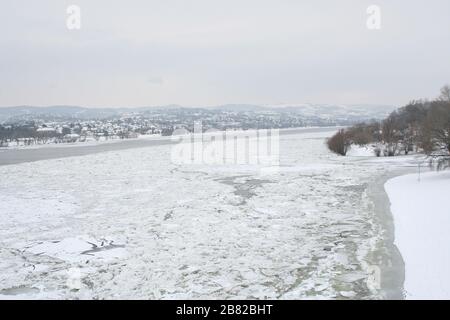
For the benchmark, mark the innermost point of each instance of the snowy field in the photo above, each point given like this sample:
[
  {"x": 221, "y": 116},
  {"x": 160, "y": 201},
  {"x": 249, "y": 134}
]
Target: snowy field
[
  {"x": 422, "y": 220},
  {"x": 130, "y": 224}
]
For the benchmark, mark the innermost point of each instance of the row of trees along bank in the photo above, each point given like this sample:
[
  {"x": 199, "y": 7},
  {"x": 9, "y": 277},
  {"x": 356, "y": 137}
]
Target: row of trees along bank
[{"x": 422, "y": 126}]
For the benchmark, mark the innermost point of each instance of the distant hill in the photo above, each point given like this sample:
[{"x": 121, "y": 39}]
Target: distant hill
[
  {"x": 23, "y": 113},
  {"x": 238, "y": 108},
  {"x": 322, "y": 111},
  {"x": 369, "y": 111}
]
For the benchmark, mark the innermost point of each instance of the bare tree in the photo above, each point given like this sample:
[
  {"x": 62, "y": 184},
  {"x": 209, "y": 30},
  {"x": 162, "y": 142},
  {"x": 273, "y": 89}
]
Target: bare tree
[
  {"x": 438, "y": 124},
  {"x": 339, "y": 143},
  {"x": 361, "y": 134},
  {"x": 390, "y": 134},
  {"x": 445, "y": 93}
]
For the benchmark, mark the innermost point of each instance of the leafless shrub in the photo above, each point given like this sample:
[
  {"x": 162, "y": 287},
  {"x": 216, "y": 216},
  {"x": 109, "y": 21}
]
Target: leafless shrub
[
  {"x": 339, "y": 143},
  {"x": 440, "y": 160}
]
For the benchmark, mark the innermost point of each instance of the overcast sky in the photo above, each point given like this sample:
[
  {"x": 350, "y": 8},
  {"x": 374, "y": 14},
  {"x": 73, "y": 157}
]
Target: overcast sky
[{"x": 211, "y": 52}]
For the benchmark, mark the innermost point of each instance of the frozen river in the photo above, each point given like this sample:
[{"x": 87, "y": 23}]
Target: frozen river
[{"x": 128, "y": 223}]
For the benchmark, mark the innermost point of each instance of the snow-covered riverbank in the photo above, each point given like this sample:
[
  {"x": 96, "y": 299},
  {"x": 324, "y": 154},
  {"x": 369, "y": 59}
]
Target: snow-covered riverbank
[{"x": 422, "y": 232}]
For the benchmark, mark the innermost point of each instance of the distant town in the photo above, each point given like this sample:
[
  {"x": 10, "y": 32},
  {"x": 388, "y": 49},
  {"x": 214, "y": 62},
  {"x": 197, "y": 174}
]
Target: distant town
[{"x": 27, "y": 126}]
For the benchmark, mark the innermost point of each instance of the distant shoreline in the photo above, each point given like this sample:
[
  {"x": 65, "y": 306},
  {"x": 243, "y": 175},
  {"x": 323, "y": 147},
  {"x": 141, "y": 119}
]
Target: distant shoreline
[
  {"x": 388, "y": 258},
  {"x": 10, "y": 156}
]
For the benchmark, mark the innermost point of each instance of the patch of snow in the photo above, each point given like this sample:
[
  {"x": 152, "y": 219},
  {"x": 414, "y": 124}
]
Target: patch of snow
[
  {"x": 360, "y": 151},
  {"x": 422, "y": 223},
  {"x": 78, "y": 249}
]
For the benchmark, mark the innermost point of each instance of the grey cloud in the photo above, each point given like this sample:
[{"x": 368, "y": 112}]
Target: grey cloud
[{"x": 203, "y": 52}]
